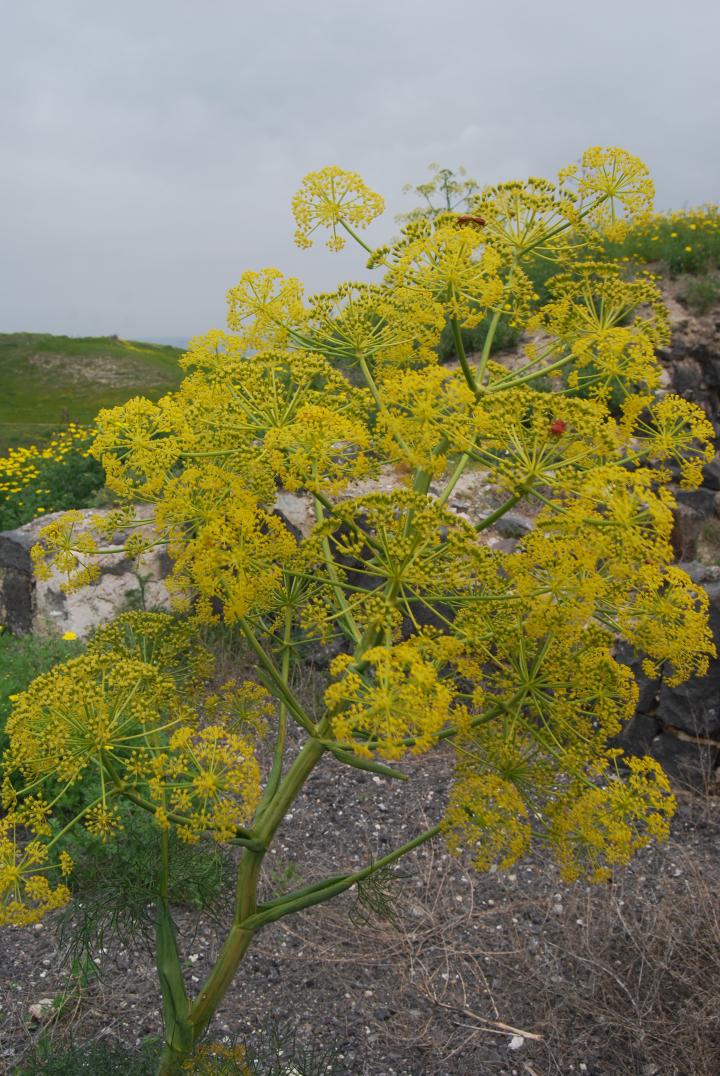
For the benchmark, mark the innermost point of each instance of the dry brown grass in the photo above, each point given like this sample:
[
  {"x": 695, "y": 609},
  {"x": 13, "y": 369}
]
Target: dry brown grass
[{"x": 612, "y": 980}]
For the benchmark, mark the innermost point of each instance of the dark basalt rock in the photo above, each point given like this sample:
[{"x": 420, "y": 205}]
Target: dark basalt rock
[
  {"x": 711, "y": 474},
  {"x": 688, "y": 763},
  {"x": 649, "y": 686},
  {"x": 637, "y": 736},
  {"x": 686, "y": 531},
  {"x": 701, "y": 500}
]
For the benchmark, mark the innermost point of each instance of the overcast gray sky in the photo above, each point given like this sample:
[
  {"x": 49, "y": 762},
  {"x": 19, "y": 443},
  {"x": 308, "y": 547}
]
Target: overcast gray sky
[{"x": 150, "y": 148}]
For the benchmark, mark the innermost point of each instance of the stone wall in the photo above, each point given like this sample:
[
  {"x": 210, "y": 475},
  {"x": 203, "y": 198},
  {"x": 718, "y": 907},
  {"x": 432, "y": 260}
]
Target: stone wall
[{"x": 680, "y": 726}]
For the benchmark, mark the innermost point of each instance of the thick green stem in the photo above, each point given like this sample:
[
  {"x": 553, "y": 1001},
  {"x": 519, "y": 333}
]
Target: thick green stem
[
  {"x": 236, "y": 944},
  {"x": 277, "y": 763},
  {"x": 178, "y": 1031},
  {"x": 356, "y": 237},
  {"x": 499, "y": 512},
  {"x": 462, "y": 357},
  {"x": 346, "y": 613},
  {"x": 454, "y": 477},
  {"x": 512, "y": 382},
  {"x": 487, "y": 346},
  {"x": 375, "y": 393},
  {"x": 275, "y": 676},
  {"x": 492, "y": 329},
  {"x": 332, "y": 887}
]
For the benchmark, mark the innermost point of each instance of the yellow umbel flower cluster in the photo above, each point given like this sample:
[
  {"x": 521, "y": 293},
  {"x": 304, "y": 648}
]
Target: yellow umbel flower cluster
[
  {"x": 526, "y": 218},
  {"x": 339, "y": 398},
  {"x": 333, "y": 198},
  {"x": 615, "y": 185},
  {"x": 265, "y": 307},
  {"x": 453, "y": 267},
  {"x": 603, "y": 826},
  {"x": 26, "y": 891},
  {"x": 128, "y": 712},
  {"x": 210, "y": 777},
  {"x": 399, "y": 703},
  {"x": 487, "y": 818},
  {"x": 609, "y": 324}
]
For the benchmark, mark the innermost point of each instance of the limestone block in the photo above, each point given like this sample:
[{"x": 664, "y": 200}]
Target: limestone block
[{"x": 29, "y": 604}]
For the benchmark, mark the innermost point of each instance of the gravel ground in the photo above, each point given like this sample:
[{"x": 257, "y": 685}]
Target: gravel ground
[{"x": 499, "y": 974}]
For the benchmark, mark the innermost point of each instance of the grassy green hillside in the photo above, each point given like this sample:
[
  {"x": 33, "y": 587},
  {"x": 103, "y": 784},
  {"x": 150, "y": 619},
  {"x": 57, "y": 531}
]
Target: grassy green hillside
[{"x": 46, "y": 381}]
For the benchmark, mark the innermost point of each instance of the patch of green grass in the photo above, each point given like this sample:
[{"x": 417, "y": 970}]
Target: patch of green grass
[
  {"x": 48, "y": 380},
  {"x": 36, "y": 480},
  {"x": 685, "y": 241}
]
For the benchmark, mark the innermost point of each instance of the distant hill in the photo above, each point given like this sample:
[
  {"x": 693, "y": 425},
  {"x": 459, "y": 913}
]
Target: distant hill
[
  {"x": 46, "y": 381},
  {"x": 174, "y": 341}
]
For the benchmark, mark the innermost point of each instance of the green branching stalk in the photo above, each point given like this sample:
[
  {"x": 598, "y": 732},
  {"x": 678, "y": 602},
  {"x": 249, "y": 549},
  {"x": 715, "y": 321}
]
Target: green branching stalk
[
  {"x": 462, "y": 357},
  {"x": 275, "y": 680},
  {"x": 178, "y": 1031},
  {"x": 332, "y": 887},
  {"x": 275, "y": 774},
  {"x": 347, "y": 618},
  {"x": 499, "y": 512}
]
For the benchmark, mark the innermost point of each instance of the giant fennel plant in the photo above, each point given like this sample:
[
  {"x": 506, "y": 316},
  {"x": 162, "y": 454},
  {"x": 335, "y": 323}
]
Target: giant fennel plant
[{"x": 438, "y": 637}]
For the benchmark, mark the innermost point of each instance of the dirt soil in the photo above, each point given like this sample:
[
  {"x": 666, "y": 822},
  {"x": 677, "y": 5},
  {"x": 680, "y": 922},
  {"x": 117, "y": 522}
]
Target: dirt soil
[{"x": 510, "y": 975}]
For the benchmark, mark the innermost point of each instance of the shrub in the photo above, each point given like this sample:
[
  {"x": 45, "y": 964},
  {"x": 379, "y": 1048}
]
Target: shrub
[
  {"x": 437, "y": 636},
  {"x": 701, "y": 293}
]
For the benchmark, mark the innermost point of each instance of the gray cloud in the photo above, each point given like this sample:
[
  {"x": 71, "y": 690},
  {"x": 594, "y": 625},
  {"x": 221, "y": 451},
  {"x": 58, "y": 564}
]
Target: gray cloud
[{"x": 150, "y": 148}]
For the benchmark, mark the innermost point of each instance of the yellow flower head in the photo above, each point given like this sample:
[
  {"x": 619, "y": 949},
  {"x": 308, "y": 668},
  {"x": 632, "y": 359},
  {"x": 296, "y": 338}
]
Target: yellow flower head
[
  {"x": 595, "y": 829},
  {"x": 330, "y": 198},
  {"x": 450, "y": 266},
  {"x": 265, "y": 308},
  {"x": 136, "y": 446},
  {"x": 399, "y": 704},
  {"x": 672, "y": 429},
  {"x": 320, "y": 451},
  {"x": 524, "y": 218},
  {"x": 225, "y": 547},
  {"x": 427, "y": 416},
  {"x": 209, "y": 779},
  {"x": 158, "y": 639},
  {"x": 378, "y": 325},
  {"x": 97, "y": 703},
  {"x": 614, "y": 189},
  {"x": 26, "y": 891},
  {"x": 486, "y": 818}
]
